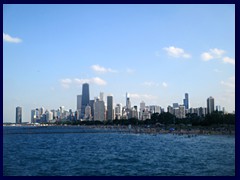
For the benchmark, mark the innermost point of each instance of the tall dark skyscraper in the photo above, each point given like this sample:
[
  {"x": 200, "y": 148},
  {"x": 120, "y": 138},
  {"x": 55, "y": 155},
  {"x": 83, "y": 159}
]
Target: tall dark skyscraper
[
  {"x": 18, "y": 115},
  {"x": 210, "y": 105},
  {"x": 85, "y": 98},
  {"x": 109, "y": 107},
  {"x": 186, "y": 101}
]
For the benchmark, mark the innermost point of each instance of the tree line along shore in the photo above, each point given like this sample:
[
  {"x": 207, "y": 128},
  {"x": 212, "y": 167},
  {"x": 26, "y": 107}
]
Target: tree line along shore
[{"x": 214, "y": 123}]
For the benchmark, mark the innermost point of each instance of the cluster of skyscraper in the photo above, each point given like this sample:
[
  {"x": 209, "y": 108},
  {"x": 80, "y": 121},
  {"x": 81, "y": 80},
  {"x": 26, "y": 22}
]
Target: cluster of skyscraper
[{"x": 96, "y": 109}]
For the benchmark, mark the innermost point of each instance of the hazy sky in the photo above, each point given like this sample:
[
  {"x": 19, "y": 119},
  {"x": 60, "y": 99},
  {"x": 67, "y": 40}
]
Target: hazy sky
[{"x": 154, "y": 52}]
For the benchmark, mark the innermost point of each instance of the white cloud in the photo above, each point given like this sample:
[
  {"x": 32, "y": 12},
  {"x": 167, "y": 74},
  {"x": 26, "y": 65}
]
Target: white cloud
[
  {"x": 229, "y": 60},
  {"x": 176, "y": 52},
  {"x": 98, "y": 81},
  {"x": 212, "y": 54},
  {"x": 95, "y": 80},
  {"x": 100, "y": 69},
  {"x": 164, "y": 84},
  {"x": 142, "y": 96},
  {"x": 217, "y": 54},
  {"x": 81, "y": 81},
  {"x": 8, "y": 38},
  {"x": 206, "y": 56},
  {"x": 65, "y": 83},
  {"x": 134, "y": 95},
  {"x": 230, "y": 83}
]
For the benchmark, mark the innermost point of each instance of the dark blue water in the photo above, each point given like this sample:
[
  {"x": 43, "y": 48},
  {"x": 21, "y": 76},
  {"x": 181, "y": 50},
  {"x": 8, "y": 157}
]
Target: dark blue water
[{"x": 75, "y": 151}]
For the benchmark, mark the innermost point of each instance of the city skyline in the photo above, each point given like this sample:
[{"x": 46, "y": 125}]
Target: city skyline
[
  {"x": 98, "y": 109},
  {"x": 156, "y": 53}
]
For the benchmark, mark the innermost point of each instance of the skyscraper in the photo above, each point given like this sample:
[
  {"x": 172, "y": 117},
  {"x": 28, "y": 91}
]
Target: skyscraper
[
  {"x": 101, "y": 96},
  {"x": 18, "y": 115},
  {"x": 186, "y": 101},
  {"x": 109, "y": 107},
  {"x": 79, "y": 102},
  {"x": 210, "y": 105},
  {"x": 128, "y": 102},
  {"x": 99, "y": 110},
  {"x": 85, "y": 98}
]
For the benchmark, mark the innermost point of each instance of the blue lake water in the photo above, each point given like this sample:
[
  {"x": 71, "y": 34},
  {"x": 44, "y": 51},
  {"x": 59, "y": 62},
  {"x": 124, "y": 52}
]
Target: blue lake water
[{"x": 76, "y": 151}]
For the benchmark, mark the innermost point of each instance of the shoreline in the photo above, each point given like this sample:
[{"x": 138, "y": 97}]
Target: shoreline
[{"x": 193, "y": 131}]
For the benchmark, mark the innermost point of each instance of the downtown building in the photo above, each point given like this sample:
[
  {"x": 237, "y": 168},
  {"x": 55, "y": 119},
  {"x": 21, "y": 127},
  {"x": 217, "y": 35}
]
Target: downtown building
[
  {"x": 85, "y": 98},
  {"x": 110, "y": 111},
  {"x": 18, "y": 115},
  {"x": 99, "y": 110},
  {"x": 210, "y": 105}
]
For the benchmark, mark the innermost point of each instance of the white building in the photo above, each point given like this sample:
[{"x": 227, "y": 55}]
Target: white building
[
  {"x": 88, "y": 114},
  {"x": 99, "y": 110},
  {"x": 49, "y": 116}
]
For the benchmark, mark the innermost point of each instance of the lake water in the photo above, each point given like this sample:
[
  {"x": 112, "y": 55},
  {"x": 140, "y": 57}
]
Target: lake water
[{"x": 77, "y": 151}]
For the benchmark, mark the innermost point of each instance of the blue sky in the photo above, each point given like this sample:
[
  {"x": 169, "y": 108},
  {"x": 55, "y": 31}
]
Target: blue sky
[{"x": 154, "y": 52}]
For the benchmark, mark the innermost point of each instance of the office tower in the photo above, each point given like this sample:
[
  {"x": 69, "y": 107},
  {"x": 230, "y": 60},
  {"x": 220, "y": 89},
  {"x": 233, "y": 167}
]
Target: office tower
[
  {"x": 175, "y": 105},
  {"x": 109, "y": 107},
  {"x": 91, "y": 104},
  {"x": 155, "y": 109},
  {"x": 186, "y": 101},
  {"x": 18, "y": 115},
  {"x": 41, "y": 111},
  {"x": 181, "y": 111},
  {"x": 128, "y": 102},
  {"x": 118, "y": 111},
  {"x": 49, "y": 116},
  {"x": 101, "y": 96},
  {"x": 218, "y": 108},
  {"x": 99, "y": 110},
  {"x": 88, "y": 115},
  {"x": 142, "y": 108},
  {"x": 142, "y": 105},
  {"x": 170, "y": 109},
  {"x": 33, "y": 116},
  {"x": 210, "y": 105},
  {"x": 135, "y": 112},
  {"x": 85, "y": 98},
  {"x": 79, "y": 102}
]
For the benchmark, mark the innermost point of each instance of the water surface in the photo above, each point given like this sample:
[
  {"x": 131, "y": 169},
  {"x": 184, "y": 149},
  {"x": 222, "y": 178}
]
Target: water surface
[{"x": 77, "y": 151}]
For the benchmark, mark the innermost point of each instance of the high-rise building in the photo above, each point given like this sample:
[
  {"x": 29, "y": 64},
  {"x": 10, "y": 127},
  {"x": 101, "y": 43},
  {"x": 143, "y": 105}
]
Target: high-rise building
[
  {"x": 210, "y": 105},
  {"x": 91, "y": 104},
  {"x": 128, "y": 102},
  {"x": 33, "y": 116},
  {"x": 79, "y": 102},
  {"x": 118, "y": 111},
  {"x": 99, "y": 110},
  {"x": 18, "y": 115},
  {"x": 109, "y": 107},
  {"x": 85, "y": 98},
  {"x": 170, "y": 109},
  {"x": 181, "y": 111},
  {"x": 142, "y": 108},
  {"x": 88, "y": 115},
  {"x": 186, "y": 101},
  {"x": 41, "y": 111},
  {"x": 218, "y": 108},
  {"x": 101, "y": 96},
  {"x": 175, "y": 105},
  {"x": 49, "y": 116}
]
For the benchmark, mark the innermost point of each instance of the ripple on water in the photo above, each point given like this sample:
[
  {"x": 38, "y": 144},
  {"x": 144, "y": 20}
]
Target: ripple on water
[{"x": 64, "y": 151}]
